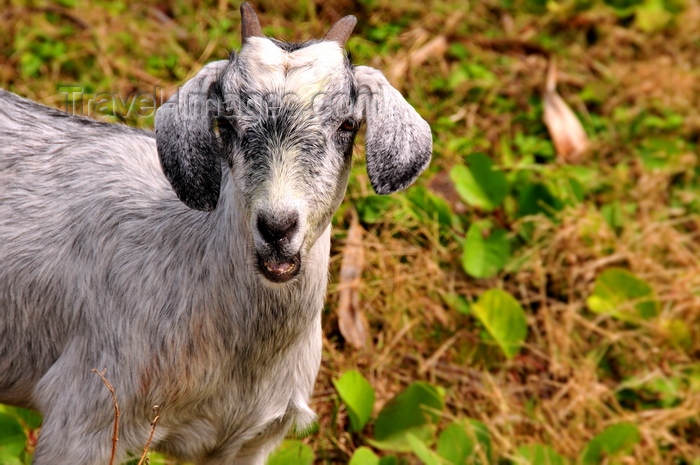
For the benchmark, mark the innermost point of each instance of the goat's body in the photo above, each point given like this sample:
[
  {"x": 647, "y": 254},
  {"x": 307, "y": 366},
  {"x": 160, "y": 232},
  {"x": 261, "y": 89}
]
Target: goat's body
[{"x": 101, "y": 266}]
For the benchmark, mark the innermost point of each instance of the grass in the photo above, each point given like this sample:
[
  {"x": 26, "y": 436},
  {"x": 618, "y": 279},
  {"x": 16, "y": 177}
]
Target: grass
[{"x": 633, "y": 77}]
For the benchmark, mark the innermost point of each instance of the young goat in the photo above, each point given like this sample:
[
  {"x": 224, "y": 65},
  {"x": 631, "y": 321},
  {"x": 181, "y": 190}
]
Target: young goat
[{"x": 208, "y": 306}]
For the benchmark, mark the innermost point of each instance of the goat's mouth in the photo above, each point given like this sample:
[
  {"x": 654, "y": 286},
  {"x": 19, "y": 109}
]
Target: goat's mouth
[{"x": 279, "y": 270}]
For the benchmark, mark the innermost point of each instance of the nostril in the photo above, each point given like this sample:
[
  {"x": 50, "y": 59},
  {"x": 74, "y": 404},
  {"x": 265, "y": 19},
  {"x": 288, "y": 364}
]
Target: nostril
[{"x": 278, "y": 228}]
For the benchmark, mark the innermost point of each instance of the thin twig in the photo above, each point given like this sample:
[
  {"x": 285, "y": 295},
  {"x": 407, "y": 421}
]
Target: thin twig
[
  {"x": 156, "y": 410},
  {"x": 115, "y": 437}
]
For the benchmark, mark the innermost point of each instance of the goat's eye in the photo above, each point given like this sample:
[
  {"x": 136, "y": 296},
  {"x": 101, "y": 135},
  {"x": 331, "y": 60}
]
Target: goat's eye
[{"x": 347, "y": 125}]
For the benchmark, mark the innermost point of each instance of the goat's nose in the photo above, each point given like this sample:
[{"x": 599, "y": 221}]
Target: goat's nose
[{"x": 277, "y": 228}]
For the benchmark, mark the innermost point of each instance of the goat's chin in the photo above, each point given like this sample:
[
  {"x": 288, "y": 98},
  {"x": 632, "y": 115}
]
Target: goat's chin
[{"x": 279, "y": 269}]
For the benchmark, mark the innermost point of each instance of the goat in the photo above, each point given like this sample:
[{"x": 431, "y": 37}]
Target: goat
[{"x": 192, "y": 262}]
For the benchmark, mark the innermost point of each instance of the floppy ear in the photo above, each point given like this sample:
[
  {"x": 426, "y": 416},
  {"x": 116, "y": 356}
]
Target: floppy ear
[
  {"x": 398, "y": 142},
  {"x": 188, "y": 147}
]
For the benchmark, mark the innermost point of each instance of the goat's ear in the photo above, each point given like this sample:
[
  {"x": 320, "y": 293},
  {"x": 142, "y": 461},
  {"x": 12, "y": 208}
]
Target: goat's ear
[
  {"x": 188, "y": 147},
  {"x": 398, "y": 142}
]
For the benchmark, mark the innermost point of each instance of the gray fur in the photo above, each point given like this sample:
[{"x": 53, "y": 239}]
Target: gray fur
[
  {"x": 101, "y": 266},
  {"x": 398, "y": 141}
]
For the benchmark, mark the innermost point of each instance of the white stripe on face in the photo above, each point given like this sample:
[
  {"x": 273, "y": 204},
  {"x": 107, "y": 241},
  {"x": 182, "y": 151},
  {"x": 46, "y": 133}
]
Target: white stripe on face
[{"x": 304, "y": 73}]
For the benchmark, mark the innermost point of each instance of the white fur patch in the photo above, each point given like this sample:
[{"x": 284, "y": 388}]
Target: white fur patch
[{"x": 305, "y": 73}]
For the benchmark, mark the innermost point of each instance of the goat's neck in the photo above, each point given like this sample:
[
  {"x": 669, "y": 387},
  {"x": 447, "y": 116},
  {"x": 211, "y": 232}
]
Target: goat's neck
[
  {"x": 229, "y": 324},
  {"x": 286, "y": 311}
]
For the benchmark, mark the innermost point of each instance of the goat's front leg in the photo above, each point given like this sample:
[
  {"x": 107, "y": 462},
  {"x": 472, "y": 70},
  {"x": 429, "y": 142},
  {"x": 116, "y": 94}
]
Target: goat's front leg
[
  {"x": 256, "y": 450},
  {"x": 64, "y": 443},
  {"x": 77, "y": 409},
  {"x": 76, "y": 428}
]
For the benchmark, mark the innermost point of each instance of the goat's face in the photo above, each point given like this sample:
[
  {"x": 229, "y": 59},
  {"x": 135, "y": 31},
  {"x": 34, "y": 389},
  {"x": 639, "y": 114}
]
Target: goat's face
[
  {"x": 288, "y": 129},
  {"x": 284, "y": 118}
]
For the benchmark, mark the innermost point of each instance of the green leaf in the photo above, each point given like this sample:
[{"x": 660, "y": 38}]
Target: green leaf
[
  {"x": 454, "y": 445},
  {"x": 613, "y": 440},
  {"x": 623, "y": 4},
  {"x": 292, "y": 453},
  {"x": 652, "y": 16},
  {"x": 536, "y": 199},
  {"x": 389, "y": 460},
  {"x": 398, "y": 442},
  {"x": 679, "y": 333},
  {"x": 624, "y": 296},
  {"x": 430, "y": 206},
  {"x": 427, "y": 456},
  {"x": 410, "y": 411},
  {"x": 665, "y": 392},
  {"x": 613, "y": 215},
  {"x": 504, "y": 319},
  {"x": 538, "y": 454},
  {"x": 374, "y": 208},
  {"x": 577, "y": 192},
  {"x": 358, "y": 396},
  {"x": 485, "y": 253},
  {"x": 364, "y": 456},
  {"x": 415, "y": 406},
  {"x": 458, "y": 442},
  {"x": 479, "y": 183},
  {"x": 12, "y": 440},
  {"x": 456, "y": 302},
  {"x": 29, "y": 419}
]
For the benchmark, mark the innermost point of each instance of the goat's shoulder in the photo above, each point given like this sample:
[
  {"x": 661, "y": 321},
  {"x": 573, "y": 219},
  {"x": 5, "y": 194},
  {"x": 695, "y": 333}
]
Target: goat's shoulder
[
  {"x": 39, "y": 143},
  {"x": 18, "y": 113}
]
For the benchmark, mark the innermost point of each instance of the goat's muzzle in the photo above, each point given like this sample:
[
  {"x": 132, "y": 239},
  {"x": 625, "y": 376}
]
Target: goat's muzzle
[
  {"x": 280, "y": 270},
  {"x": 277, "y": 260}
]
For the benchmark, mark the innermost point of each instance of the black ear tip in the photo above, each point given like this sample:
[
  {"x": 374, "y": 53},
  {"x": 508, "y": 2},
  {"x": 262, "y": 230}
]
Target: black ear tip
[{"x": 393, "y": 171}]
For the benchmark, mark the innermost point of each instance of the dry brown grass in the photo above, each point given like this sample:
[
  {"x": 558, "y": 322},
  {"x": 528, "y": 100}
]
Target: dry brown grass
[{"x": 557, "y": 391}]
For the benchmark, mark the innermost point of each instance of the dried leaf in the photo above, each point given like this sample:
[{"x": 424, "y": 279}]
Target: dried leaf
[
  {"x": 397, "y": 71},
  {"x": 352, "y": 323},
  {"x": 435, "y": 48},
  {"x": 566, "y": 131}
]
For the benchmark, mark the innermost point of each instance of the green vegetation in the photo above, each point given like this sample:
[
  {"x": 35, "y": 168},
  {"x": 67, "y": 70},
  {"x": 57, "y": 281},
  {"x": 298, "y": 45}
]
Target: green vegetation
[{"x": 525, "y": 307}]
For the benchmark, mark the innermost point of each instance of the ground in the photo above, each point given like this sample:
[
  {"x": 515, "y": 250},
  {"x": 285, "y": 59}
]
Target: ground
[{"x": 599, "y": 250}]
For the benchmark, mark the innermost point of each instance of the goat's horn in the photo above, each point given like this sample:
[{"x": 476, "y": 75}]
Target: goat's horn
[
  {"x": 250, "y": 24},
  {"x": 340, "y": 32}
]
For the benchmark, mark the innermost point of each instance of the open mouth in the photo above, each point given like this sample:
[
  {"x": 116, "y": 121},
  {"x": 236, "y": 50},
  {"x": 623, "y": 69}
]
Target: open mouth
[{"x": 280, "y": 270}]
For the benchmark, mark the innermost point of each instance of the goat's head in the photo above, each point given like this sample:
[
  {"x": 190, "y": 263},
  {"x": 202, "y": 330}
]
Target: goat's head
[{"x": 284, "y": 117}]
